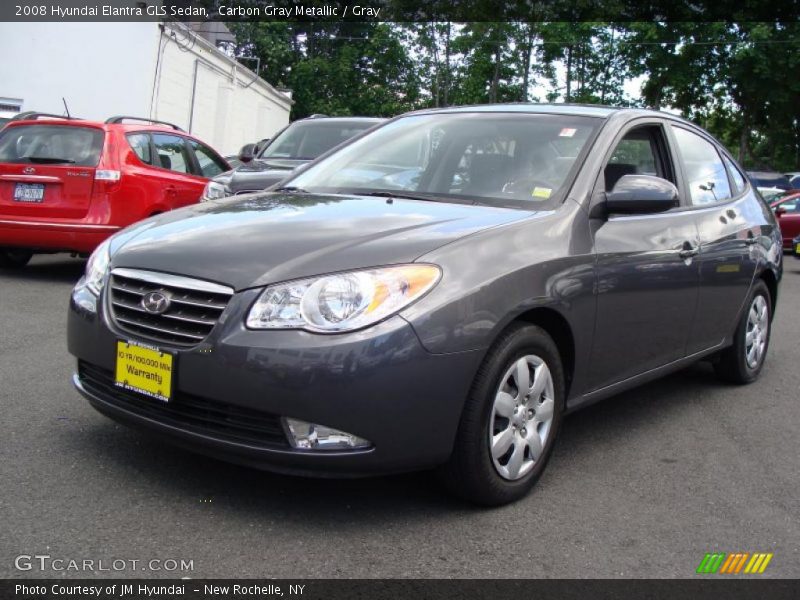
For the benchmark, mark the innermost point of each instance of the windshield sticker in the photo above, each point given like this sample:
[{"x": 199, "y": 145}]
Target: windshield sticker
[
  {"x": 567, "y": 132},
  {"x": 541, "y": 192}
]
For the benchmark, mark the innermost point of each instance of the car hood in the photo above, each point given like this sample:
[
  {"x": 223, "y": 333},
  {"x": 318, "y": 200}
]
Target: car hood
[
  {"x": 260, "y": 239},
  {"x": 257, "y": 174}
]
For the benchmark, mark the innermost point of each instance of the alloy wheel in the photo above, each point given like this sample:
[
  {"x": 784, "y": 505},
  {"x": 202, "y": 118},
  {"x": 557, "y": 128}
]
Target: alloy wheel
[
  {"x": 757, "y": 332},
  {"x": 522, "y": 416}
]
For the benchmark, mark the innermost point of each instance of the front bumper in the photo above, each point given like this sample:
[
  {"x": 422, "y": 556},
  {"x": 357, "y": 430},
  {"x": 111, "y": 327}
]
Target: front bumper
[
  {"x": 53, "y": 236},
  {"x": 379, "y": 384}
]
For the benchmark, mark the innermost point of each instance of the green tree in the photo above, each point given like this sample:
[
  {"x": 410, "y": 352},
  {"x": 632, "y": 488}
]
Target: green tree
[
  {"x": 593, "y": 59},
  {"x": 337, "y": 68},
  {"x": 735, "y": 79}
]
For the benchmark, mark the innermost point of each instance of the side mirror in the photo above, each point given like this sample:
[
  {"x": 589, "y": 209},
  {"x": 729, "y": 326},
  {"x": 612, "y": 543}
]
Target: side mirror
[
  {"x": 780, "y": 211},
  {"x": 247, "y": 153},
  {"x": 641, "y": 194}
]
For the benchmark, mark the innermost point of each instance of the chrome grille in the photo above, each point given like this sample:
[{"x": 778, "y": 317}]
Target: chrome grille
[{"x": 194, "y": 307}]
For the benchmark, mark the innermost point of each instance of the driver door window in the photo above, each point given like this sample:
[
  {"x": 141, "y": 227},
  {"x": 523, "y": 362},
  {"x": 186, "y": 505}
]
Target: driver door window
[
  {"x": 209, "y": 162},
  {"x": 638, "y": 153}
]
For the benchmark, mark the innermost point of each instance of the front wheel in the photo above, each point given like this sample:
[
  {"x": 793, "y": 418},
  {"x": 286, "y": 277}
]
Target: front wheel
[
  {"x": 510, "y": 420},
  {"x": 743, "y": 360},
  {"x": 14, "y": 258}
]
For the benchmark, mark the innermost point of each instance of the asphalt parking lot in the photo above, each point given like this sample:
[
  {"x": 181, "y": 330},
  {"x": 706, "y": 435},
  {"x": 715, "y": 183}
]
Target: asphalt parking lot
[{"x": 642, "y": 485}]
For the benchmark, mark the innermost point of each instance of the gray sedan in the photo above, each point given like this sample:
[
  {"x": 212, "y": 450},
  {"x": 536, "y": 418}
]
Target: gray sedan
[{"x": 438, "y": 293}]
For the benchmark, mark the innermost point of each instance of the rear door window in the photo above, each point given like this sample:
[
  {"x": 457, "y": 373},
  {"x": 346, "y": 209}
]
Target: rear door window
[
  {"x": 703, "y": 169},
  {"x": 171, "y": 153},
  {"x": 739, "y": 182},
  {"x": 51, "y": 144},
  {"x": 210, "y": 163}
]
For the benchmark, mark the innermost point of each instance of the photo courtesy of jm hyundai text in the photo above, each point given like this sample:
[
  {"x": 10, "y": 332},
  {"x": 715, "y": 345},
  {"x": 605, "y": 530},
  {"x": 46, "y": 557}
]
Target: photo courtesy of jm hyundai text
[{"x": 435, "y": 294}]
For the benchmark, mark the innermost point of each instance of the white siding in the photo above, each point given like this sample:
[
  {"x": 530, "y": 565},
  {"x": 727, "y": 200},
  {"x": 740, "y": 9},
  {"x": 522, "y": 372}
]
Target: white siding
[
  {"x": 229, "y": 109},
  {"x": 102, "y": 69},
  {"x": 106, "y": 69}
]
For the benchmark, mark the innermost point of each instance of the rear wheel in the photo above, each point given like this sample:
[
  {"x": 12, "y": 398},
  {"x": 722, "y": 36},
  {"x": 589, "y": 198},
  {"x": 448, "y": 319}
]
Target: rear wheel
[
  {"x": 14, "y": 258},
  {"x": 743, "y": 360},
  {"x": 510, "y": 420}
]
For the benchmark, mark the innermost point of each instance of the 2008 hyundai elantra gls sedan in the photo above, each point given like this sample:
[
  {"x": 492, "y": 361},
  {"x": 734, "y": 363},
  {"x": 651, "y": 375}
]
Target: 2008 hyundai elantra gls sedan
[{"x": 438, "y": 293}]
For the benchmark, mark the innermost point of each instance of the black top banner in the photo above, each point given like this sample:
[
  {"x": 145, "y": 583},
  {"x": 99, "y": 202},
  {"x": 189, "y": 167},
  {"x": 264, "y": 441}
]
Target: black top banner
[{"x": 400, "y": 10}]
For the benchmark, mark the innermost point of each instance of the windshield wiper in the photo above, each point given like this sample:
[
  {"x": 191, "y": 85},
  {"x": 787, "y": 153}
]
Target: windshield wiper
[
  {"x": 402, "y": 194},
  {"x": 47, "y": 159},
  {"x": 292, "y": 189}
]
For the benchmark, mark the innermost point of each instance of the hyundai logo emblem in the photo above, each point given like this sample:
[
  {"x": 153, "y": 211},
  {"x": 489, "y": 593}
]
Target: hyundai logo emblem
[
  {"x": 29, "y": 170},
  {"x": 156, "y": 303}
]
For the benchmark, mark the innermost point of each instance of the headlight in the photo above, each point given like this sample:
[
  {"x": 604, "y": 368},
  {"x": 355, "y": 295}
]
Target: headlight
[
  {"x": 213, "y": 191},
  {"x": 343, "y": 301},
  {"x": 96, "y": 268}
]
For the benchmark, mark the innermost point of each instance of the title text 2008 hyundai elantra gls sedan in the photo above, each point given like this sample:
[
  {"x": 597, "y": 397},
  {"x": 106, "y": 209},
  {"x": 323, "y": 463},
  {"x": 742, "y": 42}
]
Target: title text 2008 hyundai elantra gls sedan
[{"x": 438, "y": 293}]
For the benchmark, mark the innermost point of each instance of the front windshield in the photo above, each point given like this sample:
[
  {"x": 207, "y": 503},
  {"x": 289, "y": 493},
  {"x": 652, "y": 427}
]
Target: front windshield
[
  {"x": 516, "y": 158},
  {"x": 310, "y": 139}
]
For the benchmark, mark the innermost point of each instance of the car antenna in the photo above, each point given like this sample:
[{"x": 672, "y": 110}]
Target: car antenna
[{"x": 66, "y": 108}]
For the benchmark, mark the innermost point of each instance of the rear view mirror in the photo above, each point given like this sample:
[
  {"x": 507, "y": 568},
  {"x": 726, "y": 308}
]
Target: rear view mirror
[
  {"x": 261, "y": 145},
  {"x": 641, "y": 194},
  {"x": 247, "y": 153}
]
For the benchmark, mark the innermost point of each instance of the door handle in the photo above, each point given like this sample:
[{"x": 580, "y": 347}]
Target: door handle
[
  {"x": 171, "y": 191},
  {"x": 689, "y": 251}
]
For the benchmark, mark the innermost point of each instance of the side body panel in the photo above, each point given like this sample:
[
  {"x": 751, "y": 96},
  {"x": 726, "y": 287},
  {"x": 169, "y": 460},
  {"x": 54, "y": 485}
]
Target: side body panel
[
  {"x": 731, "y": 248},
  {"x": 647, "y": 294},
  {"x": 544, "y": 262}
]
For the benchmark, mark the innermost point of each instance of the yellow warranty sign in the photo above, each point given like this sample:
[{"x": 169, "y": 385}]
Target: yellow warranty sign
[{"x": 145, "y": 370}]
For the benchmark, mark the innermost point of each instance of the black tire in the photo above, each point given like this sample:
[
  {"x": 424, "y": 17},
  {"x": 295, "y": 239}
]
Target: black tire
[
  {"x": 13, "y": 258},
  {"x": 732, "y": 365},
  {"x": 470, "y": 473}
]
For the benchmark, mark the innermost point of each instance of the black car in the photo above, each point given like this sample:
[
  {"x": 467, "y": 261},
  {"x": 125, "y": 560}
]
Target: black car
[
  {"x": 769, "y": 179},
  {"x": 269, "y": 161},
  {"x": 438, "y": 293}
]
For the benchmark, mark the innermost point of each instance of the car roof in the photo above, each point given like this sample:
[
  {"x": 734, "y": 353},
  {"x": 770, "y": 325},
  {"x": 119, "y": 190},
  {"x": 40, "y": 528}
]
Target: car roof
[
  {"x": 557, "y": 108},
  {"x": 342, "y": 120},
  {"x": 788, "y": 195},
  {"x": 588, "y": 110},
  {"x": 767, "y": 174},
  {"x": 600, "y": 111},
  {"x": 125, "y": 127}
]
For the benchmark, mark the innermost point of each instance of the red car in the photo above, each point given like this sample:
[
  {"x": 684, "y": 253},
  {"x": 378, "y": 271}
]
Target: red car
[
  {"x": 787, "y": 209},
  {"x": 67, "y": 184}
]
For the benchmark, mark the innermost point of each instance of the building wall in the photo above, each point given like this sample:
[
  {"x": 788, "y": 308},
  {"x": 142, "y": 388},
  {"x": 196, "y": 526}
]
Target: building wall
[
  {"x": 101, "y": 69},
  {"x": 106, "y": 69},
  {"x": 213, "y": 96}
]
